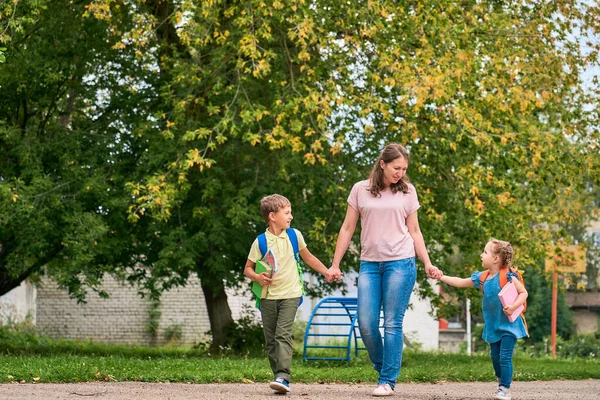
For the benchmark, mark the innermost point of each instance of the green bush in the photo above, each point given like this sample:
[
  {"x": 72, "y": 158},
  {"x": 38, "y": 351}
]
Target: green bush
[
  {"x": 246, "y": 337},
  {"x": 173, "y": 334},
  {"x": 578, "y": 346},
  {"x": 539, "y": 308},
  {"x": 22, "y": 335},
  {"x": 581, "y": 346}
]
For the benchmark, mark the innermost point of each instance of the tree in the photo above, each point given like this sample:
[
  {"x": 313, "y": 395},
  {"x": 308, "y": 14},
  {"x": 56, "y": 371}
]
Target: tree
[
  {"x": 539, "y": 308},
  {"x": 67, "y": 111},
  {"x": 487, "y": 96},
  {"x": 244, "y": 98}
]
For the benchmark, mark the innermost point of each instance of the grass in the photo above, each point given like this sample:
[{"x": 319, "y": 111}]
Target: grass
[
  {"x": 168, "y": 365},
  {"x": 26, "y": 356}
]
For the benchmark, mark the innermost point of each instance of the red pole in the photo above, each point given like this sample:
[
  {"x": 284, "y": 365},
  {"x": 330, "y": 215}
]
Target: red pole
[{"x": 554, "y": 313}]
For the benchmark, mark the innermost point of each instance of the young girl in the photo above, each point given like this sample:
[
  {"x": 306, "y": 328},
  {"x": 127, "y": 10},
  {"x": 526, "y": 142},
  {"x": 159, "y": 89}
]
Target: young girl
[{"x": 498, "y": 331}]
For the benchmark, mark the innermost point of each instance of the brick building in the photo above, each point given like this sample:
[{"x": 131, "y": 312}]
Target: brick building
[{"x": 124, "y": 318}]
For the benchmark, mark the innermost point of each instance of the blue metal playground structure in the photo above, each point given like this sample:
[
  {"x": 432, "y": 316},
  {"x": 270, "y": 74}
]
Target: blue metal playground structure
[{"x": 338, "y": 317}]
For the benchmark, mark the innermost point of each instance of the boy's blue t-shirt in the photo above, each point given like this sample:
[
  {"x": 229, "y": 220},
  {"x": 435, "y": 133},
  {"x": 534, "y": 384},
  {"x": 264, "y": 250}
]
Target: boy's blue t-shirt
[{"x": 496, "y": 322}]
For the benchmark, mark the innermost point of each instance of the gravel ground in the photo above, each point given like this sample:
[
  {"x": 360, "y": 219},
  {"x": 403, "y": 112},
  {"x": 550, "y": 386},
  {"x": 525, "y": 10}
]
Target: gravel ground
[{"x": 580, "y": 390}]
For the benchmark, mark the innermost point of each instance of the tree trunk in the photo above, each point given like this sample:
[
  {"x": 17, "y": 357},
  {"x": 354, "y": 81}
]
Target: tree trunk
[
  {"x": 8, "y": 282},
  {"x": 219, "y": 313}
]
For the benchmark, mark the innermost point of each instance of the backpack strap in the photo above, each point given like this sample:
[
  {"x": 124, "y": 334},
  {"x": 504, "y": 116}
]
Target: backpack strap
[
  {"x": 262, "y": 243},
  {"x": 503, "y": 277},
  {"x": 291, "y": 232},
  {"x": 515, "y": 272},
  {"x": 262, "y": 246},
  {"x": 482, "y": 277}
]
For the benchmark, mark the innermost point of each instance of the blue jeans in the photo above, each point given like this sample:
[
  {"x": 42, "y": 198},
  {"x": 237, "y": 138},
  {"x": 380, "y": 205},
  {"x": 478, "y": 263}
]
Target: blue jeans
[
  {"x": 502, "y": 354},
  {"x": 388, "y": 284}
]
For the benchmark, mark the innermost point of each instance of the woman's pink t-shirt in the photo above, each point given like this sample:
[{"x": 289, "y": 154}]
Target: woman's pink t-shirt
[{"x": 384, "y": 235}]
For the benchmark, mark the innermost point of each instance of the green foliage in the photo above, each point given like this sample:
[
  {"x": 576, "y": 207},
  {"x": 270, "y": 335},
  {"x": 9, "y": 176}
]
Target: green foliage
[
  {"x": 153, "y": 323},
  {"x": 167, "y": 365},
  {"x": 584, "y": 346},
  {"x": 245, "y": 337},
  {"x": 173, "y": 334},
  {"x": 182, "y": 114},
  {"x": 2, "y": 56},
  {"x": 539, "y": 307},
  {"x": 66, "y": 114},
  {"x": 282, "y": 98},
  {"x": 23, "y": 339},
  {"x": 299, "y": 330},
  {"x": 21, "y": 335},
  {"x": 27, "y": 354}
]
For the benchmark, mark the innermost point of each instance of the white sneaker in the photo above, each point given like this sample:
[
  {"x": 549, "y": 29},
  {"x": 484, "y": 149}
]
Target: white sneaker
[
  {"x": 383, "y": 390},
  {"x": 503, "y": 393}
]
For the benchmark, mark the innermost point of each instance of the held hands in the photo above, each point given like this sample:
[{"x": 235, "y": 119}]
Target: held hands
[
  {"x": 433, "y": 272},
  {"x": 333, "y": 274},
  {"x": 263, "y": 279}
]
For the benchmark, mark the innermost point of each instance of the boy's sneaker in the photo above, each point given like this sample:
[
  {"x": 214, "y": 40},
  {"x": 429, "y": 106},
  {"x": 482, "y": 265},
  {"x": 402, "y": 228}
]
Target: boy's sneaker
[
  {"x": 383, "y": 390},
  {"x": 503, "y": 393},
  {"x": 280, "y": 385}
]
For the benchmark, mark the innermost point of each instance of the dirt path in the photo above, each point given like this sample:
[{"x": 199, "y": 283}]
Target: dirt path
[{"x": 580, "y": 390}]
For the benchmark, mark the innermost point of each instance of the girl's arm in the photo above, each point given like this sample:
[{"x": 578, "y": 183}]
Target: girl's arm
[
  {"x": 314, "y": 262},
  {"x": 412, "y": 223},
  {"x": 520, "y": 298},
  {"x": 343, "y": 241},
  {"x": 262, "y": 278},
  {"x": 457, "y": 282}
]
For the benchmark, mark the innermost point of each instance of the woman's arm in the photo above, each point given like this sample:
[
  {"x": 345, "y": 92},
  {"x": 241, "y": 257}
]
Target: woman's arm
[
  {"x": 343, "y": 241},
  {"x": 412, "y": 223}
]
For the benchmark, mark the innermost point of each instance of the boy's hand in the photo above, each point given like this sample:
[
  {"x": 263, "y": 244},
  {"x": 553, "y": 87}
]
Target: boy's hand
[
  {"x": 264, "y": 279},
  {"x": 333, "y": 274}
]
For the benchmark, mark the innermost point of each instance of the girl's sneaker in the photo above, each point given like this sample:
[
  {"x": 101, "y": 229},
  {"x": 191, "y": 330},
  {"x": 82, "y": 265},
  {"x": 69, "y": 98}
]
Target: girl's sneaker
[
  {"x": 503, "y": 393},
  {"x": 383, "y": 390}
]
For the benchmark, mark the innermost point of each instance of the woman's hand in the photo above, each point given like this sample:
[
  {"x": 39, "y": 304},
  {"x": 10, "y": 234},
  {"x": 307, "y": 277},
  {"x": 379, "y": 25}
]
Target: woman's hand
[
  {"x": 433, "y": 271},
  {"x": 333, "y": 274}
]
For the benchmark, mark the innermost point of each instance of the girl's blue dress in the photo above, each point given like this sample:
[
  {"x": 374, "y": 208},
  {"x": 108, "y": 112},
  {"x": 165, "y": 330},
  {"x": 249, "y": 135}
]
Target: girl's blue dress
[{"x": 496, "y": 322}]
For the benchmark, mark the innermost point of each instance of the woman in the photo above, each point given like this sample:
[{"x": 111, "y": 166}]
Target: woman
[{"x": 387, "y": 205}]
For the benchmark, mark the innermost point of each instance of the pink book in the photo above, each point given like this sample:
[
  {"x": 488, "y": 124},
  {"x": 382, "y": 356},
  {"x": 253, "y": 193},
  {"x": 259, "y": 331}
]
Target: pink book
[{"x": 508, "y": 295}]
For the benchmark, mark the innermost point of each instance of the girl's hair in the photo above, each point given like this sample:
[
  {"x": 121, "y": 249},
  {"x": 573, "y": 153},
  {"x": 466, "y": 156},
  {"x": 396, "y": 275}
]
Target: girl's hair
[
  {"x": 272, "y": 203},
  {"x": 503, "y": 250},
  {"x": 391, "y": 152}
]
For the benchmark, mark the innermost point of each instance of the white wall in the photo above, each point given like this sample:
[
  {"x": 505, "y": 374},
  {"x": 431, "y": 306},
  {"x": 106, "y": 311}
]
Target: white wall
[{"x": 18, "y": 303}]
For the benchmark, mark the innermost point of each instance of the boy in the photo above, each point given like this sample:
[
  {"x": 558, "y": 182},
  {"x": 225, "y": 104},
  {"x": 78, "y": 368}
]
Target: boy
[{"x": 278, "y": 308}]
